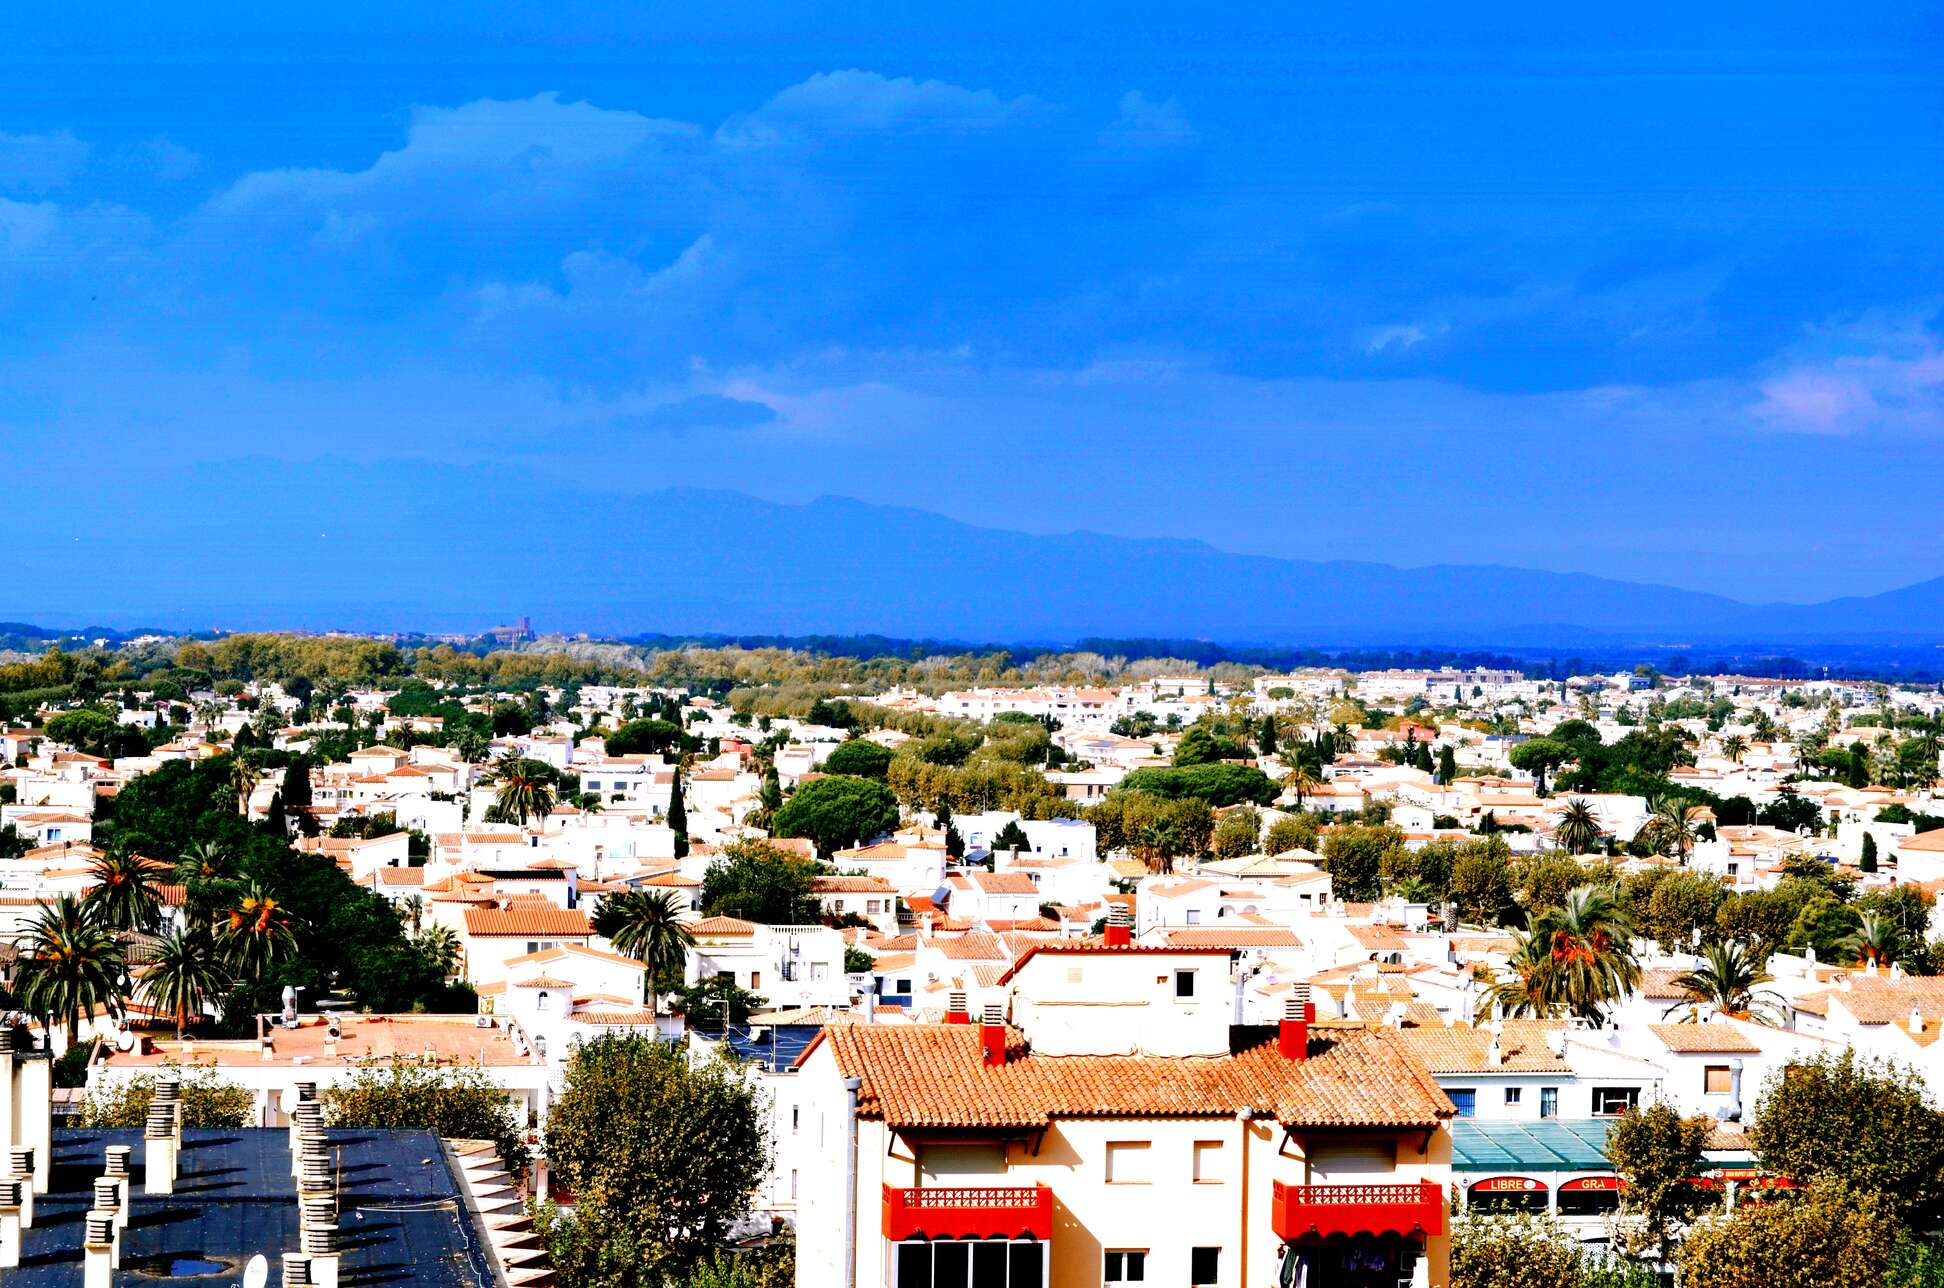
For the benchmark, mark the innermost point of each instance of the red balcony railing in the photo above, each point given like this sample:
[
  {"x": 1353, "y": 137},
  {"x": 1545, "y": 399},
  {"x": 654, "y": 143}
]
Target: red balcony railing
[
  {"x": 1415, "y": 1208},
  {"x": 968, "y": 1212}
]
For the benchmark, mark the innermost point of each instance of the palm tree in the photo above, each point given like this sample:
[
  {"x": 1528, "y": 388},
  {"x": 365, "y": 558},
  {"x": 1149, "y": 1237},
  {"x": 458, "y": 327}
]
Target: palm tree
[
  {"x": 1576, "y": 958},
  {"x": 525, "y": 789},
  {"x": 1301, "y": 782},
  {"x": 412, "y": 910},
  {"x": 1579, "y": 827},
  {"x": 647, "y": 926},
  {"x": 183, "y": 976},
  {"x": 255, "y": 934},
  {"x": 1728, "y": 979},
  {"x": 244, "y": 777},
  {"x": 1675, "y": 824},
  {"x": 439, "y": 945},
  {"x": 205, "y": 861},
  {"x": 123, "y": 896},
  {"x": 1733, "y": 746},
  {"x": 1875, "y": 940},
  {"x": 68, "y": 966}
]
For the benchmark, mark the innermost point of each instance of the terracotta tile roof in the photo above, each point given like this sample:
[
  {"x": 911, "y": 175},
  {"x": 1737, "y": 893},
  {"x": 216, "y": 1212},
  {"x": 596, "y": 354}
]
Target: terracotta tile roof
[
  {"x": 635, "y": 1018},
  {"x": 537, "y": 919},
  {"x": 1461, "y": 1048},
  {"x": 1657, "y": 984},
  {"x": 1236, "y": 937},
  {"x": 973, "y": 947},
  {"x": 926, "y": 1075},
  {"x": 543, "y": 981},
  {"x": 849, "y": 885},
  {"x": 722, "y": 926},
  {"x": 1096, "y": 946},
  {"x": 1005, "y": 883},
  {"x": 1704, "y": 1038}
]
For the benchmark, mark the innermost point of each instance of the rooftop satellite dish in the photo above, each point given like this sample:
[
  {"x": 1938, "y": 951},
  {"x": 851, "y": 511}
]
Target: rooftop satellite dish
[
  {"x": 257, "y": 1273},
  {"x": 125, "y": 1041}
]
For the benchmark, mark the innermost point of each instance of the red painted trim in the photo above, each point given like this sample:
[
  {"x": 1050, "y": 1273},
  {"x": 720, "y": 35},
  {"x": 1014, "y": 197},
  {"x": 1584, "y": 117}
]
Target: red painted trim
[
  {"x": 1010, "y": 1212},
  {"x": 1318, "y": 1211}
]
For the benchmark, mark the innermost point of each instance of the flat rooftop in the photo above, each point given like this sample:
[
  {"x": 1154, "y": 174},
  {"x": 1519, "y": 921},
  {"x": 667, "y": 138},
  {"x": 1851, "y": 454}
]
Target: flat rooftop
[
  {"x": 451, "y": 1038},
  {"x": 402, "y": 1220}
]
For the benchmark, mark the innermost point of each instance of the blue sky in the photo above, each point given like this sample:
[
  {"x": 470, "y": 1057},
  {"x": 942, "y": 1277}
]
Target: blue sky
[{"x": 1653, "y": 294}]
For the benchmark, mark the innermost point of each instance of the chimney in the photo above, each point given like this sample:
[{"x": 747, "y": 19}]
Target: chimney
[
  {"x": 992, "y": 1034},
  {"x": 1292, "y": 1035},
  {"x": 1916, "y": 1022},
  {"x": 158, "y": 1138},
  {"x": 870, "y": 1000},
  {"x": 955, "y": 1008},
  {"x": 318, "y": 1237},
  {"x": 10, "y": 1222},
  {"x": 98, "y": 1250},
  {"x": 1494, "y": 1053},
  {"x": 1120, "y": 927},
  {"x": 21, "y": 1168}
]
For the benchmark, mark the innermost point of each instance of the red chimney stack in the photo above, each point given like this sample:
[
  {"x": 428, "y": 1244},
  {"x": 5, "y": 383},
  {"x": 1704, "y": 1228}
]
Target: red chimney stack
[
  {"x": 955, "y": 1008},
  {"x": 1292, "y": 1035},
  {"x": 992, "y": 1035},
  {"x": 1120, "y": 927}
]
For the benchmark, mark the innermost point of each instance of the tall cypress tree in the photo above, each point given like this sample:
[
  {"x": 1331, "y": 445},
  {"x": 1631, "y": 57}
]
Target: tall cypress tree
[
  {"x": 678, "y": 818},
  {"x": 1266, "y": 739},
  {"x": 1447, "y": 764}
]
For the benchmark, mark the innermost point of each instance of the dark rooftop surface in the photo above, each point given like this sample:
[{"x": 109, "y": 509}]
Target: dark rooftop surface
[{"x": 402, "y": 1220}]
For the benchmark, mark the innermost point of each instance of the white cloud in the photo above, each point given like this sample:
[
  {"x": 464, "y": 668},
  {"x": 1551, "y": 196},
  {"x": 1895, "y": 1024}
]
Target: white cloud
[
  {"x": 1399, "y": 337},
  {"x": 39, "y": 162},
  {"x": 1867, "y": 374},
  {"x": 1144, "y": 122},
  {"x": 861, "y": 102}
]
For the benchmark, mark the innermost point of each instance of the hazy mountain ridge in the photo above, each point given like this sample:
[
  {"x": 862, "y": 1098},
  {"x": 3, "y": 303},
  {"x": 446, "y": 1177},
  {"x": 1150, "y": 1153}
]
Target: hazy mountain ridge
[{"x": 334, "y": 544}]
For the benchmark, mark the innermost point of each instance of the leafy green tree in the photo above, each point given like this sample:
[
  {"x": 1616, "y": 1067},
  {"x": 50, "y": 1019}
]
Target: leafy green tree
[
  {"x": 860, "y": 757},
  {"x": 1865, "y": 1124},
  {"x": 1447, "y": 764},
  {"x": 1237, "y": 832},
  {"x": 1293, "y": 832},
  {"x": 837, "y": 811},
  {"x": 1529, "y": 1251},
  {"x": 649, "y": 737},
  {"x": 1266, "y": 736},
  {"x": 647, "y": 926},
  {"x": 458, "y": 1102},
  {"x": 185, "y": 973},
  {"x": 1682, "y": 903},
  {"x": 1826, "y": 1239},
  {"x": 663, "y": 1154},
  {"x": 1010, "y": 837},
  {"x": 1758, "y": 918},
  {"x": 1480, "y": 884},
  {"x": 207, "y": 1101},
  {"x": 1200, "y": 747},
  {"x": 718, "y": 1003},
  {"x": 1220, "y": 783},
  {"x": 94, "y": 733},
  {"x": 1868, "y": 863},
  {"x": 1539, "y": 757},
  {"x": 758, "y": 882},
  {"x": 1657, "y": 1152},
  {"x": 1355, "y": 855},
  {"x": 1730, "y": 981},
  {"x": 68, "y": 966}
]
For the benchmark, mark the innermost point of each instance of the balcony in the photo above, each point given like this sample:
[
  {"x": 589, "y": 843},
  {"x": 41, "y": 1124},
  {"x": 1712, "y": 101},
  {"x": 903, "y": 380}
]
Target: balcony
[
  {"x": 964, "y": 1212},
  {"x": 1318, "y": 1211}
]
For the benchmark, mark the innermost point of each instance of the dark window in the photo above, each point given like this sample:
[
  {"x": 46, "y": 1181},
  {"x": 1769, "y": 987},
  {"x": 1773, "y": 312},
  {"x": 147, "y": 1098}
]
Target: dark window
[
  {"x": 1184, "y": 983},
  {"x": 1549, "y": 1102},
  {"x": 1467, "y": 1101},
  {"x": 989, "y": 1264},
  {"x": 1027, "y": 1263},
  {"x": 1588, "y": 1202},
  {"x": 1611, "y": 1102},
  {"x": 1204, "y": 1266},
  {"x": 949, "y": 1265},
  {"x": 914, "y": 1265},
  {"x": 1125, "y": 1267}
]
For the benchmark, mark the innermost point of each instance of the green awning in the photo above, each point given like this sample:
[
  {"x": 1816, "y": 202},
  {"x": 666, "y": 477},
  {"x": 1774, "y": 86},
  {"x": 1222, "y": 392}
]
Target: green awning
[{"x": 1540, "y": 1145}]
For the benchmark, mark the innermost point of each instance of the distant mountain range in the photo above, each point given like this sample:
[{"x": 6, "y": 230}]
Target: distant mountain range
[{"x": 263, "y": 545}]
